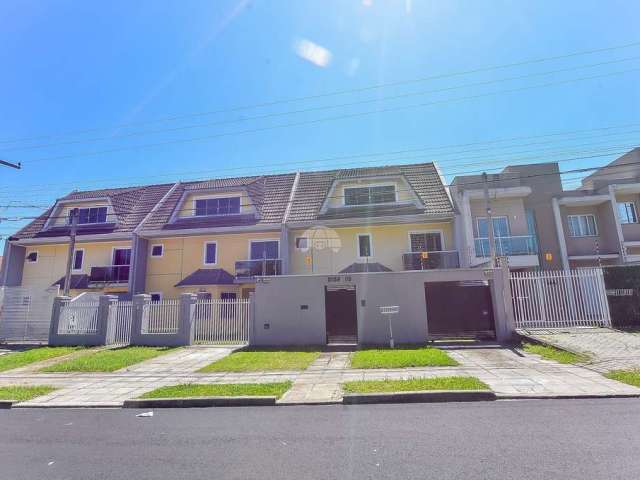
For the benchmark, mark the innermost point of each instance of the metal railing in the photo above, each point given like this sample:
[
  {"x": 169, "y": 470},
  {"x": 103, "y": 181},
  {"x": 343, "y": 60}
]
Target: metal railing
[
  {"x": 78, "y": 318},
  {"x": 222, "y": 321},
  {"x": 256, "y": 268},
  {"x": 506, "y": 246},
  {"x": 560, "y": 299},
  {"x": 120, "y": 317},
  {"x": 161, "y": 317},
  {"x": 431, "y": 260},
  {"x": 110, "y": 274}
]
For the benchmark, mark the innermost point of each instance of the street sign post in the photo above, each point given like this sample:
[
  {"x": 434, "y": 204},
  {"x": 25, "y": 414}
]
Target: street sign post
[{"x": 389, "y": 311}]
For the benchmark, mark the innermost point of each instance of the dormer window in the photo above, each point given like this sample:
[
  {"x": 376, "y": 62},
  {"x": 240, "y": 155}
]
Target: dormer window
[
  {"x": 217, "y": 206},
  {"x": 372, "y": 195},
  {"x": 91, "y": 215}
]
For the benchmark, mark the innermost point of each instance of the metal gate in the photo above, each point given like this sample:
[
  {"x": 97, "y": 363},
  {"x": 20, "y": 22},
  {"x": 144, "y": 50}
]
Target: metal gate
[
  {"x": 222, "y": 321},
  {"x": 560, "y": 299},
  {"x": 25, "y": 314}
]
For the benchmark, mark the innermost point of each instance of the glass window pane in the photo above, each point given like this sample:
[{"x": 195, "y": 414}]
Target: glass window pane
[
  {"x": 201, "y": 207},
  {"x": 483, "y": 230},
  {"x": 210, "y": 256},
  {"x": 77, "y": 259},
  {"x": 234, "y": 205},
  {"x": 364, "y": 246},
  {"x": 501, "y": 227}
]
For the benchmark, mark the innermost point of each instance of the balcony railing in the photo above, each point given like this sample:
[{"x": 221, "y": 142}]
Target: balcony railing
[
  {"x": 506, "y": 246},
  {"x": 255, "y": 268},
  {"x": 110, "y": 274},
  {"x": 430, "y": 260}
]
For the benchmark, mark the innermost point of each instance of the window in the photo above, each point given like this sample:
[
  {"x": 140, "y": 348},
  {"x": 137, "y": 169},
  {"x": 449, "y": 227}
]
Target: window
[
  {"x": 157, "y": 250},
  {"x": 500, "y": 227},
  {"x": 210, "y": 253},
  {"x": 32, "y": 257},
  {"x": 302, "y": 243},
  {"x": 217, "y": 206},
  {"x": 90, "y": 215},
  {"x": 364, "y": 245},
  {"x": 582, "y": 225},
  {"x": 261, "y": 249},
  {"x": 369, "y": 195},
  {"x": 426, "y": 242},
  {"x": 78, "y": 257},
  {"x": 627, "y": 212},
  {"x": 156, "y": 297}
]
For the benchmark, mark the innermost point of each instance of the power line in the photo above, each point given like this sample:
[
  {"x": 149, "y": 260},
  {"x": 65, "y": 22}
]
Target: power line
[
  {"x": 337, "y": 92},
  {"x": 328, "y": 119},
  {"x": 310, "y": 109}
]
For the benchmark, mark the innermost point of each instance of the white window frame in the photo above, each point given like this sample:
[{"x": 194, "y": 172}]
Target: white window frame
[
  {"x": 26, "y": 257},
  {"x": 373, "y": 185},
  {"x": 73, "y": 264},
  {"x": 204, "y": 252},
  {"x": 364, "y": 234},
  {"x": 113, "y": 255},
  {"x": 161, "y": 245},
  {"x": 633, "y": 207},
  {"x": 157, "y": 293},
  {"x": 262, "y": 240},
  {"x": 595, "y": 225},
  {"x": 193, "y": 212},
  {"x": 295, "y": 244},
  {"x": 419, "y": 232},
  {"x": 493, "y": 217}
]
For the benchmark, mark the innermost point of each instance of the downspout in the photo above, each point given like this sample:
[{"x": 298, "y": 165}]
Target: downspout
[{"x": 284, "y": 231}]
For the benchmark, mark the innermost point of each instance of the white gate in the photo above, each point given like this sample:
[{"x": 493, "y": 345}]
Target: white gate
[
  {"x": 560, "y": 299},
  {"x": 78, "y": 318},
  {"x": 222, "y": 321},
  {"x": 25, "y": 314},
  {"x": 161, "y": 317},
  {"x": 120, "y": 317}
]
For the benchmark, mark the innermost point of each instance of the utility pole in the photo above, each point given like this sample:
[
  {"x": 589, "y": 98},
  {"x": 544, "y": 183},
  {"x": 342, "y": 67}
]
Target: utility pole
[
  {"x": 73, "y": 220},
  {"x": 12, "y": 165},
  {"x": 487, "y": 204}
]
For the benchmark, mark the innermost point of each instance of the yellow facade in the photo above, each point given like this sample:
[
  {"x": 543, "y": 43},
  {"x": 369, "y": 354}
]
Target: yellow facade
[
  {"x": 388, "y": 243},
  {"x": 184, "y": 255},
  {"x": 52, "y": 262}
]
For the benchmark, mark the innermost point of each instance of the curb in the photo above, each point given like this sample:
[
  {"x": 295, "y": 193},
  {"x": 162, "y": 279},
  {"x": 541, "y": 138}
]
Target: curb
[
  {"x": 5, "y": 404},
  {"x": 192, "y": 402},
  {"x": 569, "y": 396},
  {"x": 432, "y": 396},
  {"x": 71, "y": 405}
]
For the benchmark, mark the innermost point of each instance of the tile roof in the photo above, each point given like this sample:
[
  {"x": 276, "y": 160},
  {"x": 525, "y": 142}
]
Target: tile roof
[
  {"x": 207, "y": 276},
  {"x": 77, "y": 281}
]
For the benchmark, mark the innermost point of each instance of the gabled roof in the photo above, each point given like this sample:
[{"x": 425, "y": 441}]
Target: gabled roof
[
  {"x": 365, "y": 268},
  {"x": 207, "y": 276}
]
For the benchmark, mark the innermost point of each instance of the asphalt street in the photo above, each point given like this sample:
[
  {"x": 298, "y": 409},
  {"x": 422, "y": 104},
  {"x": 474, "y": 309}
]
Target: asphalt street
[{"x": 534, "y": 439}]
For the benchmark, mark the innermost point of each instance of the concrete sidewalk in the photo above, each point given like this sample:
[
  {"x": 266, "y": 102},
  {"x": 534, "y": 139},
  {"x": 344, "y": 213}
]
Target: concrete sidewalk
[{"x": 507, "y": 371}]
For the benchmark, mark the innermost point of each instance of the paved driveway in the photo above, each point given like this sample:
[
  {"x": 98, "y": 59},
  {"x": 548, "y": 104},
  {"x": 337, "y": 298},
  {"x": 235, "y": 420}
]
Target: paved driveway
[{"x": 610, "y": 349}]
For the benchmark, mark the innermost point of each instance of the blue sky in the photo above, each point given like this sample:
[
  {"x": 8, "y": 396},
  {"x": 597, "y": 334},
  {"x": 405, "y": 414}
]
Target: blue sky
[{"x": 113, "y": 69}]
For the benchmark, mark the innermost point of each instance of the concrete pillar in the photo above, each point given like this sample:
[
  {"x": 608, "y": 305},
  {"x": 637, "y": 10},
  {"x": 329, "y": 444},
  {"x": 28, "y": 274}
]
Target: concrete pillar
[
  {"x": 138, "y": 270},
  {"x": 614, "y": 208},
  {"x": 136, "y": 320},
  {"x": 104, "y": 305},
  {"x": 503, "y": 304},
  {"x": 55, "y": 318},
  {"x": 560, "y": 231},
  {"x": 187, "y": 310},
  {"x": 12, "y": 265}
]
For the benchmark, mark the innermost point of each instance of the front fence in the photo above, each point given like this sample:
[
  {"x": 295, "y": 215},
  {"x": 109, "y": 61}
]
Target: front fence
[
  {"x": 120, "y": 317},
  {"x": 560, "y": 299},
  {"x": 78, "y": 318},
  {"x": 161, "y": 317},
  {"x": 222, "y": 321},
  {"x": 25, "y": 314}
]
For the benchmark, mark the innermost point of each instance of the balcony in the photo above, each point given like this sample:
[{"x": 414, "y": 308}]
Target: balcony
[
  {"x": 508, "y": 246},
  {"x": 247, "y": 269},
  {"x": 110, "y": 274},
  {"x": 430, "y": 260}
]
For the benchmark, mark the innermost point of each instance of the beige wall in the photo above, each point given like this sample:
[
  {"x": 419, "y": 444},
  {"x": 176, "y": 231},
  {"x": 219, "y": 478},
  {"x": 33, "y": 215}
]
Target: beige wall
[
  {"x": 512, "y": 208},
  {"x": 183, "y": 256},
  {"x": 607, "y": 239},
  {"x": 403, "y": 194},
  {"x": 52, "y": 261},
  {"x": 187, "y": 209},
  {"x": 388, "y": 243}
]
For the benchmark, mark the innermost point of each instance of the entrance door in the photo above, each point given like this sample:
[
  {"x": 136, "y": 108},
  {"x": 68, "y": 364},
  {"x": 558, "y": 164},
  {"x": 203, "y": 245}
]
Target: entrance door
[
  {"x": 341, "y": 314},
  {"x": 459, "y": 309}
]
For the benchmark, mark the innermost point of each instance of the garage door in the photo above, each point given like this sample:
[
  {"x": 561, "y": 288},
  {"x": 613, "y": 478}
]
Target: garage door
[{"x": 459, "y": 309}]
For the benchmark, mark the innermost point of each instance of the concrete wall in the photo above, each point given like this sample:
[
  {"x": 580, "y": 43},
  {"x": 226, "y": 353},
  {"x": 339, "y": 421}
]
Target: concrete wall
[
  {"x": 512, "y": 208},
  {"x": 605, "y": 242},
  {"x": 290, "y": 310},
  {"x": 12, "y": 265}
]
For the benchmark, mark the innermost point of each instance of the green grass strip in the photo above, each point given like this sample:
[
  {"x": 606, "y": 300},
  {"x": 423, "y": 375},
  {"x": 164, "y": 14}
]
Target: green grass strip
[
  {"x": 108, "y": 360},
  {"x": 401, "y": 357},
  {"x": 630, "y": 377},
  {"x": 263, "y": 360},
  {"x": 21, "y": 394},
  {"x": 10, "y": 361},
  {"x": 220, "y": 390},
  {"x": 415, "y": 385},
  {"x": 555, "y": 354}
]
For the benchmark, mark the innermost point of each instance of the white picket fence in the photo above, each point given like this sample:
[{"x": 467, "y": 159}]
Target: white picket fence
[
  {"x": 120, "y": 316},
  {"x": 25, "y": 313},
  {"x": 560, "y": 299},
  {"x": 222, "y": 321},
  {"x": 78, "y": 318},
  {"x": 161, "y": 317}
]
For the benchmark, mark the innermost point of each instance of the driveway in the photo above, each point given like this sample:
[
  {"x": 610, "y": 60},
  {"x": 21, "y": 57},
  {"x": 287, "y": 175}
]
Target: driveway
[{"x": 610, "y": 349}]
